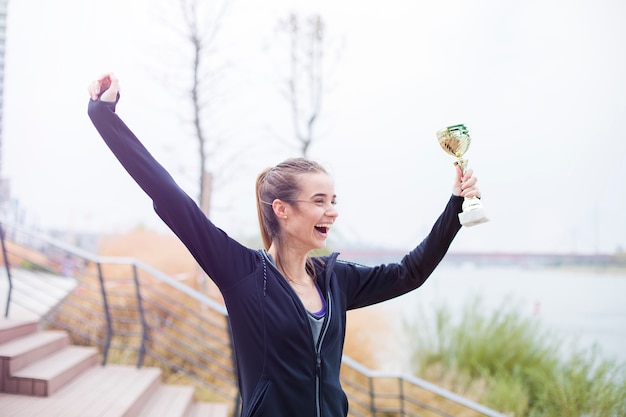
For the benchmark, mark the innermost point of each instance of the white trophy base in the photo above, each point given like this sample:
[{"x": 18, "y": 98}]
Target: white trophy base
[{"x": 473, "y": 217}]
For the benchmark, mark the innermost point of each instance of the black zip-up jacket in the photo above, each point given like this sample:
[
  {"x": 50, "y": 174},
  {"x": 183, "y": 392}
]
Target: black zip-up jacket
[{"x": 281, "y": 372}]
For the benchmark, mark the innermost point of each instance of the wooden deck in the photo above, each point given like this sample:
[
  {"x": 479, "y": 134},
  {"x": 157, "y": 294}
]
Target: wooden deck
[{"x": 42, "y": 376}]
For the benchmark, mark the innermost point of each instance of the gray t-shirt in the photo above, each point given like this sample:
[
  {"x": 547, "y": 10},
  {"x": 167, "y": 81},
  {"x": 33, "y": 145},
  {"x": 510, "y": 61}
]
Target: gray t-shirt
[{"x": 316, "y": 324}]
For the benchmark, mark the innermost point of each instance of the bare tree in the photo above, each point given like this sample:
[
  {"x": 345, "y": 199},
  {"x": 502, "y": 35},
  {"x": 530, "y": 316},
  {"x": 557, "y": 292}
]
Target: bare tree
[
  {"x": 304, "y": 84},
  {"x": 197, "y": 23},
  {"x": 199, "y": 71},
  {"x": 202, "y": 40}
]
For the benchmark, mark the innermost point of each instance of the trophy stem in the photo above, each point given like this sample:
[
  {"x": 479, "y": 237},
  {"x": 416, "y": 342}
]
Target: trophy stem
[
  {"x": 473, "y": 212},
  {"x": 462, "y": 163}
]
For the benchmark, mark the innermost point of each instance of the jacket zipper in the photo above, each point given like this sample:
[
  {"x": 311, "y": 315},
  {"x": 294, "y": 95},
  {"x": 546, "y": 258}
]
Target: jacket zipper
[
  {"x": 317, "y": 347},
  {"x": 318, "y": 359}
]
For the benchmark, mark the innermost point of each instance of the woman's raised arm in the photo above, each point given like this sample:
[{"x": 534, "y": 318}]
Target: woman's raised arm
[{"x": 209, "y": 245}]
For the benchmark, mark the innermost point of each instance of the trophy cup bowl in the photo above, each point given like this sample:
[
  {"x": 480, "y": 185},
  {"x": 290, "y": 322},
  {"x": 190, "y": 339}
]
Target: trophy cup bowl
[{"x": 456, "y": 140}]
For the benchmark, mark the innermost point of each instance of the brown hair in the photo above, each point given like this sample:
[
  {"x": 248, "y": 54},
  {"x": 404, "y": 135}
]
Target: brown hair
[{"x": 280, "y": 182}]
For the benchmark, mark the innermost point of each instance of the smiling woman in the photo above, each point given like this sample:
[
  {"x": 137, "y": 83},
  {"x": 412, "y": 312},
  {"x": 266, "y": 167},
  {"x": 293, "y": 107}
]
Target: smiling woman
[
  {"x": 287, "y": 309},
  {"x": 296, "y": 208}
]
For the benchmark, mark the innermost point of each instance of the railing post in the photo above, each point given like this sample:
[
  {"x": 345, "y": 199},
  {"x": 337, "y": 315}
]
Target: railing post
[
  {"x": 372, "y": 396},
  {"x": 107, "y": 313},
  {"x": 8, "y": 268},
  {"x": 142, "y": 318},
  {"x": 401, "y": 392}
]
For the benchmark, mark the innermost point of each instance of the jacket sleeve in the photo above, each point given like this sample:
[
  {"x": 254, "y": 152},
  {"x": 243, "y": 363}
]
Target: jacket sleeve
[
  {"x": 220, "y": 257},
  {"x": 370, "y": 285}
]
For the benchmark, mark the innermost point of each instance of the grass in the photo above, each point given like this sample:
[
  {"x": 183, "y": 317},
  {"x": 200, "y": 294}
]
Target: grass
[{"x": 509, "y": 362}]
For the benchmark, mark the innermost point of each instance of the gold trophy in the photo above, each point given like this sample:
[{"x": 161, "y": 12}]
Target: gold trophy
[{"x": 455, "y": 140}]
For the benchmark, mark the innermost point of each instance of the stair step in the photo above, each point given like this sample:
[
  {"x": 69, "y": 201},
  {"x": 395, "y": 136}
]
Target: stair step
[
  {"x": 17, "y": 353},
  {"x": 12, "y": 329},
  {"x": 27, "y": 349},
  {"x": 110, "y": 391},
  {"x": 209, "y": 410},
  {"x": 137, "y": 386},
  {"x": 47, "y": 375},
  {"x": 169, "y": 401}
]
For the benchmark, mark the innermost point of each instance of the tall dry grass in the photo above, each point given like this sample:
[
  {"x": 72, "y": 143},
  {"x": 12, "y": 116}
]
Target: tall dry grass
[{"x": 511, "y": 363}]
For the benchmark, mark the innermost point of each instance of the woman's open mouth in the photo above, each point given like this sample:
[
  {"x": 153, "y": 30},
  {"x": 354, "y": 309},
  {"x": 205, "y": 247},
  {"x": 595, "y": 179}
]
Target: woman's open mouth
[{"x": 323, "y": 228}]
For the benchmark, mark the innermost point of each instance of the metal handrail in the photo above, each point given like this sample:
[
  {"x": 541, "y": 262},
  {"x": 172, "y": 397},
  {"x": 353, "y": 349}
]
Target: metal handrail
[
  {"x": 189, "y": 347},
  {"x": 142, "y": 315},
  {"x": 131, "y": 319},
  {"x": 5, "y": 257},
  {"x": 107, "y": 313},
  {"x": 418, "y": 382}
]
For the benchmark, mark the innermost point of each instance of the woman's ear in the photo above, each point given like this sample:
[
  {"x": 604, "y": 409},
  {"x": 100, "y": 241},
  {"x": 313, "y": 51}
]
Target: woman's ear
[{"x": 280, "y": 208}]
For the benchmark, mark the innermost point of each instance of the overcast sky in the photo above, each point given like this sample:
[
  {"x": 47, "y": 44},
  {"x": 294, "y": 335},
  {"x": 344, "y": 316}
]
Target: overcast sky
[{"x": 540, "y": 85}]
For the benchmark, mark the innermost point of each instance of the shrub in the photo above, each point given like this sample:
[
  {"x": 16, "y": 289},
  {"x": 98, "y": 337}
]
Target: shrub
[{"x": 519, "y": 366}]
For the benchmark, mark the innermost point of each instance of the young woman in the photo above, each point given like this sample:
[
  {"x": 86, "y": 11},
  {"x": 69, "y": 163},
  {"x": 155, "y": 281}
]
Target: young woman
[{"x": 287, "y": 309}]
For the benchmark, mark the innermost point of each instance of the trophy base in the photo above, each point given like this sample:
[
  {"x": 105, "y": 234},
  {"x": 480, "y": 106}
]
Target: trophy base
[{"x": 473, "y": 217}]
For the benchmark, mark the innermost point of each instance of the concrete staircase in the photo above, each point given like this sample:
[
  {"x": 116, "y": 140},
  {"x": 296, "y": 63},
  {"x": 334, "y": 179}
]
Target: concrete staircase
[{"x": 41, "y": 374}]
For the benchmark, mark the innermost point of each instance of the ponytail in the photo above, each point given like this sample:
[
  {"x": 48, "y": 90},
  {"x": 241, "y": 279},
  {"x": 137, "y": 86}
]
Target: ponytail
[{"x": 260, "y": 206}]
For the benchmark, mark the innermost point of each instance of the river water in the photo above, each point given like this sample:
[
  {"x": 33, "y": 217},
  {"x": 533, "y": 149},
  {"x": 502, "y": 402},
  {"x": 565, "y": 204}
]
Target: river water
[{"x": 583, "y": 308}]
